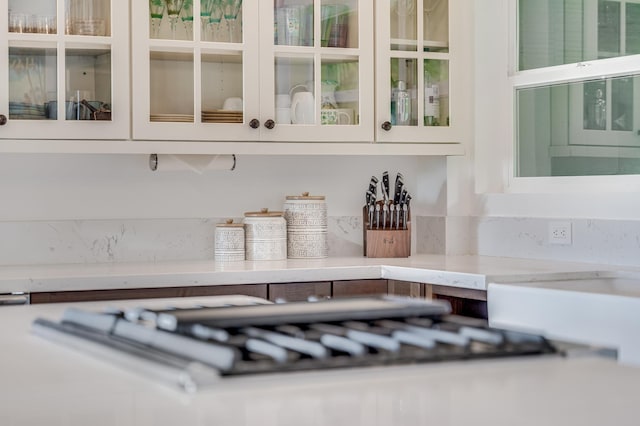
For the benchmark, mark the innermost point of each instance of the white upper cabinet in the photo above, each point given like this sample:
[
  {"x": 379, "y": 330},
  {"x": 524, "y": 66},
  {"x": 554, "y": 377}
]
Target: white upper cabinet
[
  {"x": 253, "y": 70},
  {"x": 417, "y": 71},
  {"x": 56, "y": 54},
  {"x": 233, "y": 76}
]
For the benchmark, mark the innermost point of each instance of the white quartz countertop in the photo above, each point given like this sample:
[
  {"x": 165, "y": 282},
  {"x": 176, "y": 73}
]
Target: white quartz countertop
[
  {"x": 472, "y": 272},
  {"x": 48, "y": 383}
]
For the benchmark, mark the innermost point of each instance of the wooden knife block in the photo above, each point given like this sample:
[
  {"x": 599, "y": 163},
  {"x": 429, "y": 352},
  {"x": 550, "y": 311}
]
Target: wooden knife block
[{"x": 386, "y": 242}]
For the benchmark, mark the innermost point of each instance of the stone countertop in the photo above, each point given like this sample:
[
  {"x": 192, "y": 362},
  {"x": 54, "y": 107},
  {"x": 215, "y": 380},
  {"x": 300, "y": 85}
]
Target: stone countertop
[
  {"x": 471, "y": 272},
  {"x": 48, "y": 383}
]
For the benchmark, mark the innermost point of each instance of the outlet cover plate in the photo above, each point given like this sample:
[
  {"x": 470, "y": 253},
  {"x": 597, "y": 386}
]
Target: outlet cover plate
[{"x": 560, "y": 233}]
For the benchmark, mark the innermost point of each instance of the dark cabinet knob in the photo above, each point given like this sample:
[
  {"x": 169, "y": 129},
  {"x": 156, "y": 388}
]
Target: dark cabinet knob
[
  {"x": 269, "y": 124},
  {"x": 254, "y": 124},
  {"x": 386, "y": 126},
  {"x": 3, "y": 119}
]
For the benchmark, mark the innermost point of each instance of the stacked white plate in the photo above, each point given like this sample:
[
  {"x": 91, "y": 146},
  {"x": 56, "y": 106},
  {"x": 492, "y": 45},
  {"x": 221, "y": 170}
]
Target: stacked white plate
[
  {"x": 222, "y": 116},
  {"x": 172, "y": 118}
]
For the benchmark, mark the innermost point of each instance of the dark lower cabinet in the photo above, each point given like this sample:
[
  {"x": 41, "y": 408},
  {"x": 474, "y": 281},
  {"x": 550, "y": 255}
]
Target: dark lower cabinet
[
  {"x": 465, "y": 302},
  {"x": 466, "y": 307},
  {"x": 295, "y": 292},
  {"x": 359, "y": 288},
  {"x": 256, "y": 290}
]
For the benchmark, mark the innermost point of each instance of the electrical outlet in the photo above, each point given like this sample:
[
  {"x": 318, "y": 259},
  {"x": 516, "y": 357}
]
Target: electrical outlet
[{"x": 560, "y": 233}]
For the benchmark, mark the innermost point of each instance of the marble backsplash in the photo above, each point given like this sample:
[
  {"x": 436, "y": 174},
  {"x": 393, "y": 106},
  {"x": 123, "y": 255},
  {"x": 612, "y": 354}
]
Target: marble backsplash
[
  {"x": 614, "y": 242},
  {"x": 148, "y": 240}
]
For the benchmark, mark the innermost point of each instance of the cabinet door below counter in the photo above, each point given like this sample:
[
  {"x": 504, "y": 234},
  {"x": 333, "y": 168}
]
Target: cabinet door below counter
[{"x": 256, "y": 290}]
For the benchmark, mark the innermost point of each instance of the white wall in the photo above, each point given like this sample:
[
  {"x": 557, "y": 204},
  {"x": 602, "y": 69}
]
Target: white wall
[
  {"x": 78, "y": 186},
  {"x": 113, "y": 208}
]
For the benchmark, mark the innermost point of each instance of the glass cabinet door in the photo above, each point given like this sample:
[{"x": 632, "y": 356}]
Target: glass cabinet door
[
  {"x": 605, "y": 111},
  {"x": 317, "y": 59},
  {"x": 198, "y": 67},
  {"x": 63, "y": 59},
  {"x": 413, "y": 67}
]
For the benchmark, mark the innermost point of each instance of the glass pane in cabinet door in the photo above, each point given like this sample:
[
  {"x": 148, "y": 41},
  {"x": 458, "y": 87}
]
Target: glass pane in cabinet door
[
  {"x": 88, "y": 17},
  {"x": 595, "y": 105},
  {"x": 339, "y": 23},
  {"x": 340, "y": 92},
  {"x": 171, "y": 19},
  {"x": 404, "y": 23},
  {"x": 293, "y": 22},
  {"x": 32, "y": 83},
  {"x": 632, "y": 28},
  {"x": 436, "y": 92},
  {"x": 35, "y": 16},
  {"x": 88, "y": 84},
  {"x": 171, "y": 87},
  {"x": 622, "y": 92},
  {"x": 230, "y": 28},
  {"x": 222, "y": 97},
  {"x": 436, "y": 25},
  {"x": 404, "y": 88},
  {"x": 295, "y": 91}
]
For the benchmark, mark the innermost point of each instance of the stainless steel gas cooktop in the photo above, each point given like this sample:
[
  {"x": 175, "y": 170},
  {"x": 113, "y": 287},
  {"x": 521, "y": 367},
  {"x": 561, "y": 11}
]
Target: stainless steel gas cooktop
[{"x": 201, "y": 345}]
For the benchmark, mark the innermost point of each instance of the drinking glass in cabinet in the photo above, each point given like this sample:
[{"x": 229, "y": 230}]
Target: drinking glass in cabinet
[
  {"x": 222, "y": 88},
  {"x": 231, "y": 9},
  {"x": 335, "y": 25},
  {"x": 206, "y": 7},
  {"x": 216, "y": 32},
  {"x": 173, "y": 13},
  {"x": 403, "y": 25},
  {"x": 32, "y": 17},
  {"x": 32, "y": 76},
  {"x": 186, "y": 15},
  {"x": 294, "y": 23},
  {"x": 404, "y": 105},
  {"x": 88, "y": 17},
  {"x": 436, "y": 92},
  {"x": 156, "y": 13}
]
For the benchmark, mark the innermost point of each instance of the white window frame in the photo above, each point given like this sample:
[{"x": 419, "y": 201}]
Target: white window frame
[{"x": 600, "y": 68}]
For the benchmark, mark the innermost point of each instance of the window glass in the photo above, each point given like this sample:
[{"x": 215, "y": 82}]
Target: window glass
[{"x": 556, "y": 32}]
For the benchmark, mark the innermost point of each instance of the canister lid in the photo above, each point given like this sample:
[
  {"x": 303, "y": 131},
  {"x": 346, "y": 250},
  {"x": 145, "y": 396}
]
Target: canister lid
[
  {"x": 263, "y": 213},
  {"x": 229, "y": 224},
  {"x": 305, "y": 196}
]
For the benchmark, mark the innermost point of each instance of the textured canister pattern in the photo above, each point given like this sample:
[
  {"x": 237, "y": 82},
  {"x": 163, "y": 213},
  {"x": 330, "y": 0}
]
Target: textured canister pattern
[
  {"x": 306, "y": 218},
  {"x": 229, "y": 242},
  {"x": 265, "y": 236}
]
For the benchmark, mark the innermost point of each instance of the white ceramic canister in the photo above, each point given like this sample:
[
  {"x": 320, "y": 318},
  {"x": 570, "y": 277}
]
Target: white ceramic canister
[
  {"x": 265, "y": 235},
  {"x": 229, "y": 242},
  {"x": 306, "y": 217}
]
